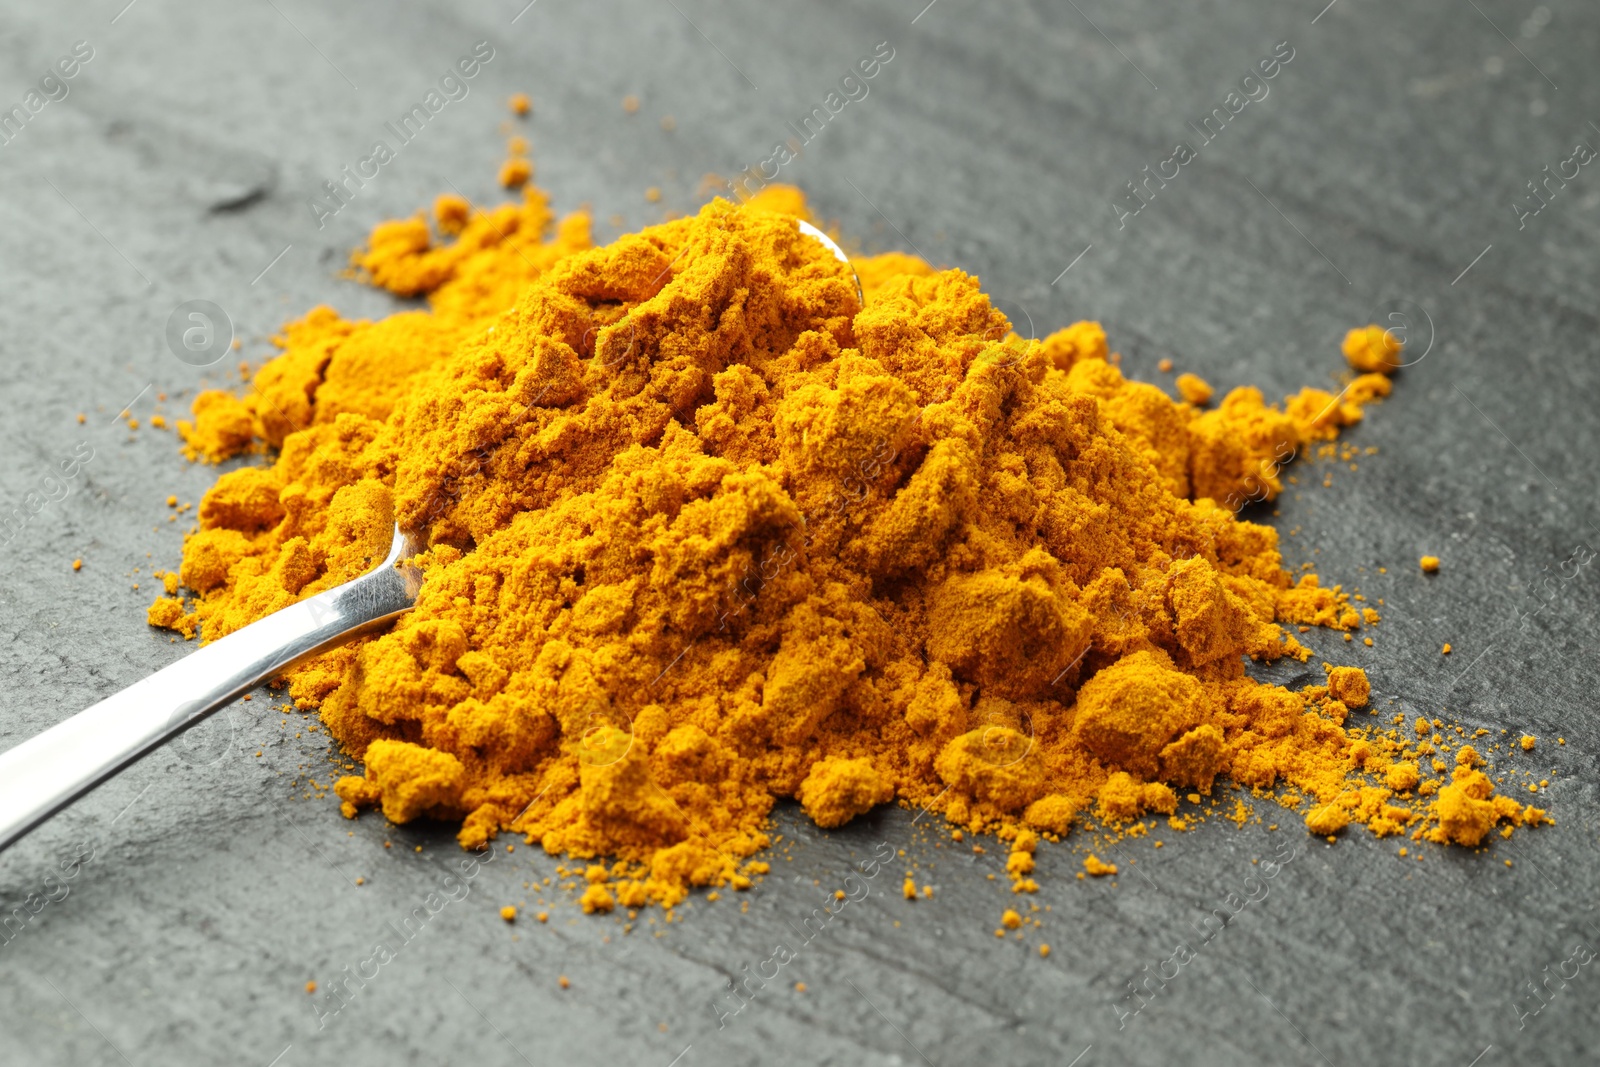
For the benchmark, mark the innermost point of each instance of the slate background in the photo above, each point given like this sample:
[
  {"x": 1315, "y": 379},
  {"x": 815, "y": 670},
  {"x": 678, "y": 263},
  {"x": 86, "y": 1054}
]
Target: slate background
[{"x": 1385, "y": 158}]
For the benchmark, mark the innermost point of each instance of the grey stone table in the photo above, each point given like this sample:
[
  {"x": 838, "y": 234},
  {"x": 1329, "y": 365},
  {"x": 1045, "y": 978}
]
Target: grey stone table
[{"x": 175, "y": 915}]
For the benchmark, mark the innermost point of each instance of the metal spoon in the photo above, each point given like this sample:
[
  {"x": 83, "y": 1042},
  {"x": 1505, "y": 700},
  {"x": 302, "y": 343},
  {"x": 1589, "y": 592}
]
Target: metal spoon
[{"x": 46, "y": 773}]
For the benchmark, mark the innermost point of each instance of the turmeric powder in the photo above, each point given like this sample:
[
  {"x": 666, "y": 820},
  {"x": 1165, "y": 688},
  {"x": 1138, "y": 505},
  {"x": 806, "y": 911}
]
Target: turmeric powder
[
  {"x": 706, "y": 532},
  {"x": 1195, "y": 389},
  {"x": 1096, "y": 867}
]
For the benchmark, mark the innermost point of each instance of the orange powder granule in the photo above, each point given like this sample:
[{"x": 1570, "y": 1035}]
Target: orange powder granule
[
  {"x": 706, "y": 533},
  {"x": 836, "y": 790},
  {"x": 1097, "y": 868},
  {"x": 1372, "y": 348},
  {"x": 1349, "y": 685},
  {"x": 515, "y": 172},
  {"x": 451, "y": 213},
  {"x": 1326, "y": 820},
  {"x": 1194, "y": 389},
  {"x": 1401, "y": 777}
]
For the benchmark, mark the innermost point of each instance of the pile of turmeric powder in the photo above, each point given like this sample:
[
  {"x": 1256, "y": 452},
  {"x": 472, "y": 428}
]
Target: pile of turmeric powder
[{"x": 706, "y": 531}]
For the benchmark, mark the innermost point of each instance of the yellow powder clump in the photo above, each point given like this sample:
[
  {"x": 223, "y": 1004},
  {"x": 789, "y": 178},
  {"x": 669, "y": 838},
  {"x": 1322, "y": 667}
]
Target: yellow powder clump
[
  {"x": 597, "y": 898},
  {"x": 1465, "y": 812},
  {"x": 451, "y": 213},
  {"x": 223, "y": 426},
  {"x": 1194, "y": 389},
  {"x": 1528, "y": 741},
  {"x": 837, "y": 790},
  {"x": 1123, "y": 798},
  {"x": 1096, "y": 867},
  {"x": 1132, "y": 711},
  {"x": 1429, "y": 564},
  {"x": 1401, "y": 777},
  {"x": 1349, "y": 685},
  {"x": 706, "y": 533},
  {"x": 1326, "y": 820},
  {"x": 1372, "y": 349},
  {"x": 167, "y": 612},
  {"x": 515, "y": 172}
]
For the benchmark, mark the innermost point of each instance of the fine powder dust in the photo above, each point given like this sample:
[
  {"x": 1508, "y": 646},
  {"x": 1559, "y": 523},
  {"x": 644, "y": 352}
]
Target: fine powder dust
[{"x": 706, "y": 532}]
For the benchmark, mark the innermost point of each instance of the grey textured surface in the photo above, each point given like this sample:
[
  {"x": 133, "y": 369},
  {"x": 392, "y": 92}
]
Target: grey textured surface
[{"x": 1384, "y": 160}]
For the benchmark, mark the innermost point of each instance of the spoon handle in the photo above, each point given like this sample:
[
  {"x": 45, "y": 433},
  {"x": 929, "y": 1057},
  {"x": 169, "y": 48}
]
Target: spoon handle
[{"x": 44, "y": 774}]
